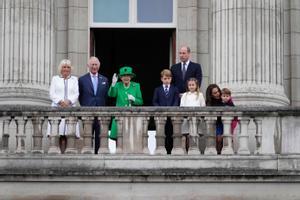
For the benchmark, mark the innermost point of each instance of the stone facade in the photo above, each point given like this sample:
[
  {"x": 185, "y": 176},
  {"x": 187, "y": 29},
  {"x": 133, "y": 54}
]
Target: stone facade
[{"x": 249, "y": 46}]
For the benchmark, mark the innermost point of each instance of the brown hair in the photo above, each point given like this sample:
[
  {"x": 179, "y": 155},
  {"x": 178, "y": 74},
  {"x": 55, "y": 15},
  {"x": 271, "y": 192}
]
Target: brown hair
[
  {"x": 166, "y": 72},
  {"x": 209, "y": 97},
  {"x": 226, "y": 91},
  {"x": 197, "y": 84}
]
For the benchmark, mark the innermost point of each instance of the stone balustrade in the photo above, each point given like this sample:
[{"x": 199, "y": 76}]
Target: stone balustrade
[{"x": 265, "y": 130}]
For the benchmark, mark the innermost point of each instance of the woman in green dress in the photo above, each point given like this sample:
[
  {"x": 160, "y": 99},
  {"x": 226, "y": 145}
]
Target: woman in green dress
[{"x": 126, "y": 92}]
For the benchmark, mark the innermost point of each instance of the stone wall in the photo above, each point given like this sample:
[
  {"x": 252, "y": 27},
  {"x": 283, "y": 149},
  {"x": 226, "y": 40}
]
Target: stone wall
[
  {"x": 295, "y": 52},
  {"x": 149, "y": 177}
]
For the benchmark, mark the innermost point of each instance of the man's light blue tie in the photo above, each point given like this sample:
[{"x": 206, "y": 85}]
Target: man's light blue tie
[{"x": 95, "y": 84}]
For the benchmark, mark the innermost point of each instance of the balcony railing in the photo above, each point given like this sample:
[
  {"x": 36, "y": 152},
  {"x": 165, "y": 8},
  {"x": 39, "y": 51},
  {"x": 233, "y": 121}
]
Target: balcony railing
[{"x": 266, "y": 130}]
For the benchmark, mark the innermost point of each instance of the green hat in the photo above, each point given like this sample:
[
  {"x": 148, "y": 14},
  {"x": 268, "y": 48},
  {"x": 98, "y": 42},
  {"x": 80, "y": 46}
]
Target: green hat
[{"x": 126, "y": 70}]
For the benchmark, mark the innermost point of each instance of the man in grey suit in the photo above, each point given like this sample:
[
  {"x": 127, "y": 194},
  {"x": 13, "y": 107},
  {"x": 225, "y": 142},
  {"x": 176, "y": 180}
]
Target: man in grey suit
[{"x": 93, "y": 89}]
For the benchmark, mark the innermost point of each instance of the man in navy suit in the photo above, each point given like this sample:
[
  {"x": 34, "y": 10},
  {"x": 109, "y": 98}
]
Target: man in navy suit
[
  {"x": 185, "y": 70},
  {"x": 166, "y": 95},
  {"x": 93, "y": 89}
]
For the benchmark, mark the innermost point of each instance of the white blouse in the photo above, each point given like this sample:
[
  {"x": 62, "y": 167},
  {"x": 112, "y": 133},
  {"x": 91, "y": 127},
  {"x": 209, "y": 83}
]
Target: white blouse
[
  {"x": 190, "y": 99},
  {"x": 62, "y": 89}
]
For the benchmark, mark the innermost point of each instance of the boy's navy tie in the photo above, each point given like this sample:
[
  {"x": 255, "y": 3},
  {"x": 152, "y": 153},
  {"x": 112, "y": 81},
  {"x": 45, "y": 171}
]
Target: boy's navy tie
[{"x": 166, "y": 90}]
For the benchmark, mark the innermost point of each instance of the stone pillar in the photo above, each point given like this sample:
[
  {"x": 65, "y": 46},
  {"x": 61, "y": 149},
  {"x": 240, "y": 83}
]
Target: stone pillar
[
  {"x": 37, "y": 146},
  {"x": 21, "y": 123},
  {"x": 244, "y": 136},
  {"x": 26, "y": 53},
  {"x": 54, "y": 136},
  {"x": 247, "y": 50},
  {"x": 160, "y": 123},
  {"x": 227, "y": 137},
  {"x": 120, "y": 122},
  {"x": 211, "y": 136},
  {"x": 131, "y": 135},
  {"x": 145, "y": 135},
  {"x": 193, "y": 137},
  {"x": 4, "y": 148},
  {"x": 258, "y": 135},
  {"x": 87, "y": 135},
  {"x": 71, "y": 126},
  {"x": 104, "y": 123},
  {"x": 177, "y": 147}
]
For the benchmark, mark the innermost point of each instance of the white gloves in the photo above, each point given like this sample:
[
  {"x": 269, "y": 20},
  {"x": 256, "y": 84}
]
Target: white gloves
[
  {"x": 114, "y": 80},
  {"x": 131, "y": 98}
]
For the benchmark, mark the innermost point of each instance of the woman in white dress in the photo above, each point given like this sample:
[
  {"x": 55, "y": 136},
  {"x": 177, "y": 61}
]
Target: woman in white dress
[
  {"x": 192, "y": 98},
  {"x": 64, "y": 93}
]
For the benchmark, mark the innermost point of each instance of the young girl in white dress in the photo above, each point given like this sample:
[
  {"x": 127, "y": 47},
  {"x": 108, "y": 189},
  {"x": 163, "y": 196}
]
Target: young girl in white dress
[{"x": 192, "y": 98}]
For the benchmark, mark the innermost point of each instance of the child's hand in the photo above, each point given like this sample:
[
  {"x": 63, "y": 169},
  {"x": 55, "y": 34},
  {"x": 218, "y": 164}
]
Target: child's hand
[{"x": 114, "y": 79}]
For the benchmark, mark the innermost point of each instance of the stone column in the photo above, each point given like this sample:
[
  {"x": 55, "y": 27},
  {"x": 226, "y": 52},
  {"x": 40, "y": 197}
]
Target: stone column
[
  {"x": 26, "y": 51},
  {"x": 211, "y": 136},
  {"x": 244, "y": 136},
  {"x": 71, "y": 126},
  {"x": 37, "y": 123},
  {"x": 21, "y": 123},
  {"x": 177, "y": 147},
  {"x": 247, "y": 50},
  {"x": 145, "y": 135},
  {"x": 227, "y": 137},
  {"x": 104, "y": 123},
  {"x": 193, "y": 137},
  {"x": 54, "y": 136},
  {"x": 258, "y": 135},
  {"x": 87, "y": 135},
  {"x": 120, "y": 122},
  {"x": 4, "y": 148},
  {"x": 160, "y": 123}
]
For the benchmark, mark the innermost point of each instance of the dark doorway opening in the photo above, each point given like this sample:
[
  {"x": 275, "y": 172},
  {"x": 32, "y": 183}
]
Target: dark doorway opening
[{"x": 147, "y": 51}]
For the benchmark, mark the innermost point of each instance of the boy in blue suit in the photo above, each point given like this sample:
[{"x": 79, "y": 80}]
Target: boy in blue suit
[{"x": 166, "y": 95}]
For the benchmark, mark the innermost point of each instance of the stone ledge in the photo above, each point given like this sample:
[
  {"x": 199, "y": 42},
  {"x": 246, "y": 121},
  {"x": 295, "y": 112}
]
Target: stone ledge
[{"x": 133, "y": 168}]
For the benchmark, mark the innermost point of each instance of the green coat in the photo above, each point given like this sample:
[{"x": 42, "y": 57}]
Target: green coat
[{"x": 121, "y": 94}]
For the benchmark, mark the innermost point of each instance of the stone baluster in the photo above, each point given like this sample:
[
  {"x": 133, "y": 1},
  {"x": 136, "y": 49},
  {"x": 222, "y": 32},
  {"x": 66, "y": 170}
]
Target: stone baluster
[
  {"x": 193, "y": 137},
  {"x": 104, "y": 123},
  {"x": 4, "y": 144},
  {"x": 211, "y": 136},
  {"x": 177, "y": 146},
  {"x": 120, "y": 122},
  {"x": 1, "y": 131},
  {"x": 258, "y": 135},
  {"x": 160, "y": 123},
  {"x": 244, "y": 136},
  {"x": 21, "y": 123},
  {"x": 87, "y": 135},
  {"x": 37, "y": 135},
  {"x": 227, "y": 137},
  {"x": 145, "y": 135},
  {"x": 54, "y": 122},
  {"x": 71, "y": 136}
]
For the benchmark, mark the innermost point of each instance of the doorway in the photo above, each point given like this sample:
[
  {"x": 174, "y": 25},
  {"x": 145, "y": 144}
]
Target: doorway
[{"x": 147, "y": 51}]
